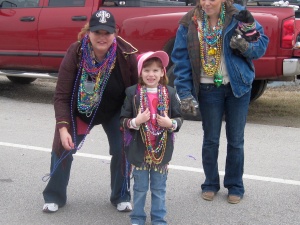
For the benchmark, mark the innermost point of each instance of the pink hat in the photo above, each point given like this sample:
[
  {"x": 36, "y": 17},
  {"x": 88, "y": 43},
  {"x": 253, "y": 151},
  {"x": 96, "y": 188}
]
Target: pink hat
[{"x": 163, "y": 56}]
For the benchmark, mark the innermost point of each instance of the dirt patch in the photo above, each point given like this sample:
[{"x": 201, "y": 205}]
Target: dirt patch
[{"x": 278, "y": 106}]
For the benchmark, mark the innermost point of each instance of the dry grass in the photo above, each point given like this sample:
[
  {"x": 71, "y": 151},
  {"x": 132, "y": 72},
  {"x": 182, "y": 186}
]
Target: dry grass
[{"x": 279, "y": 106}]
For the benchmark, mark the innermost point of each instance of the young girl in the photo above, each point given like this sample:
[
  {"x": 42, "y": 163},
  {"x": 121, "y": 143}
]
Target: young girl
[{"x": 150, "y": 115}]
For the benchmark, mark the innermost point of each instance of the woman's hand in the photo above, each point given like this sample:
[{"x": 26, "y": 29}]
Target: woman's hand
[
  {"x": 238, "y": 42},
  {"x": 164, "y": 121},
  {"x": 66, "y": 139},
  {"x": 142, "y": 117},
  {"x": 189, "y": 105}
]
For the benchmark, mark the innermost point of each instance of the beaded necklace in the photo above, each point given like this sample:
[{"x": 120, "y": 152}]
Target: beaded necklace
[
  {"x": 86, "y": 54},
  {"x": 154, "y": 154},
  {"x": 211, "y": 44},
  {"x": 94, "y": 77}
]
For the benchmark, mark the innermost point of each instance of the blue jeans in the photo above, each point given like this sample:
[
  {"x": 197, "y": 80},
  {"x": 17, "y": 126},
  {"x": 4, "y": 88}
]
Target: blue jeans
[
  {"x": 158, "y": 194},
  {"x": 56, "y": 189},
  {"x": 214, "y": 102}
]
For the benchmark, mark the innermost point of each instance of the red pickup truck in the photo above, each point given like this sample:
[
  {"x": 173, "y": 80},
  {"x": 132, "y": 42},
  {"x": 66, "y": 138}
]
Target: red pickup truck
[{"x": 36, "y": 33}]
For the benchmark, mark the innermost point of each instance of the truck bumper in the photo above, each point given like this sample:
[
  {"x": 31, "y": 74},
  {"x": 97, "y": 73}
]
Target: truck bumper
[
  {"x": 17, "y": 73},
  {"x": 291, "y": 67}
]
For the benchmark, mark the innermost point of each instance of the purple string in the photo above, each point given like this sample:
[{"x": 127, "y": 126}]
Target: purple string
[{"x": 125, "y": 185}]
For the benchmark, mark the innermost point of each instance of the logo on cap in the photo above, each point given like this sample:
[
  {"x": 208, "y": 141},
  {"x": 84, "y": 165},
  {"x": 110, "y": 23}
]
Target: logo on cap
[{"x": 102, "y": 15}]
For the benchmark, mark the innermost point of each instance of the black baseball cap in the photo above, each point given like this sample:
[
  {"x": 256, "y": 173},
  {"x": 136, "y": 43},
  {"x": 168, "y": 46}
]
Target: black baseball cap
[{"x": 103, "y": 20}]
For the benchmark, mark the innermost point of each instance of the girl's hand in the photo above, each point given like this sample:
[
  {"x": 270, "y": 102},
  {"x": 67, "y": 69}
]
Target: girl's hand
[
  {"x": 66, "y": 139},
  {"x": 164, "y": 121},
  {"x": 142, "y": 117}
]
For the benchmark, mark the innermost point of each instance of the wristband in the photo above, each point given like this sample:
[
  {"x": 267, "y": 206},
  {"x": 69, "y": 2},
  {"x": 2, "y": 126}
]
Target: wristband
[{"x": 174, "y": 125}]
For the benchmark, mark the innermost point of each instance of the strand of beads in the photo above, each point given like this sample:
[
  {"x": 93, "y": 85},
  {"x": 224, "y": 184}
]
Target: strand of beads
[
  {"x": 93, "y": 67},
  {"x": 163, "y": 99},
  {"x": 210, "y": 62},
  {"x": 162, "y": 105},
  {"x": 245, "y": 27},
  {"x": 211, "y": 36},
  {"x": 99, "y": 73},
  {"x": 158, "y": 153},
  {"x": 210, "y": 42},
  {"x": 154, "y": 154}
]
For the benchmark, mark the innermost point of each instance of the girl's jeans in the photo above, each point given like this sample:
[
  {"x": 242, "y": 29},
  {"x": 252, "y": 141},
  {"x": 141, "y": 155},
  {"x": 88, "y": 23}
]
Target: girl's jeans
[
  {"x": 214, "y": 102},
  {"x": 157, "y": 181},
  {"x": 56, "y": 189}
]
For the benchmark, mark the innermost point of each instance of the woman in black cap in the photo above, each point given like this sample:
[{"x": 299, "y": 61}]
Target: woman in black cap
[{"x": 90, "y": 91}]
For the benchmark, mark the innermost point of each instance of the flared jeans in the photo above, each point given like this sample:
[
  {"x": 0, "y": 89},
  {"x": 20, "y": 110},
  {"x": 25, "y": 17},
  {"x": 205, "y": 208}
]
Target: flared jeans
[{"x": 216, "y": 102}]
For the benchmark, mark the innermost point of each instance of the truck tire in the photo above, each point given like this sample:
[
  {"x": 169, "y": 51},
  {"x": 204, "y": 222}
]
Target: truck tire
[
  {"x": 21, "y": 80},
  {"x": 258, "y": 88},
  {"x": 171, "y": 77}
]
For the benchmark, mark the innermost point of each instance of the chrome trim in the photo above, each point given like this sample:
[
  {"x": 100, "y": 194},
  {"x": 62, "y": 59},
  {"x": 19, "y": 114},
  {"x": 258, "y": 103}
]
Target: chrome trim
[
  {"x": 291, "y": 67},
  {"x": 17, "y": 73}
]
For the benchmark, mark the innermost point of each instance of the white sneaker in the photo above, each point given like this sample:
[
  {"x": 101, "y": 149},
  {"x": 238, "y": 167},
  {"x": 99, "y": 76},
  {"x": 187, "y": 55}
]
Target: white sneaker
[
  {"x": 124, "y": 207},
  {"x": 50, "y": 207}
]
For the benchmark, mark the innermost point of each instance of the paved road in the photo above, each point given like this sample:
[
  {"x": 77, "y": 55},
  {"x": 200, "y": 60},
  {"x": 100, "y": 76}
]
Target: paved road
[{"x": 272, "y": 177}]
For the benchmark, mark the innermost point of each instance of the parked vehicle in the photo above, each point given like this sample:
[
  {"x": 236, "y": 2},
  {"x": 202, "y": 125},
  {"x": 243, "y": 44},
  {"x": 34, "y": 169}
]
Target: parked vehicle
[{"x": 35, "y": 34}]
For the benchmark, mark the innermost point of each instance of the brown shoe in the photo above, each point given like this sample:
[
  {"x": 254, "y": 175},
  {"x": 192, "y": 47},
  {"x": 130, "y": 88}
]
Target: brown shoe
[
  {"x": 233, "y": 199},
  {"x": 208, "y": 195}
]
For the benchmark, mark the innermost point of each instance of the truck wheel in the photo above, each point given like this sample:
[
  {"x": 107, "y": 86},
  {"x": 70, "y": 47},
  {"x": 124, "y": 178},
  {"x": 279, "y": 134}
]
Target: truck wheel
[
  {"x": 258, "y": 88},
  {"x": 171, "y": 77},
  {"x": 21, "y": 80}
]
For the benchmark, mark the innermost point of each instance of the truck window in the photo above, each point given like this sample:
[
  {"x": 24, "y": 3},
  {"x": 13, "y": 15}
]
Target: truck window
[
  {"x": 19, "y": 4},
  {"x": 138, "y": 3},
  {"x": 66, "y": 3}
]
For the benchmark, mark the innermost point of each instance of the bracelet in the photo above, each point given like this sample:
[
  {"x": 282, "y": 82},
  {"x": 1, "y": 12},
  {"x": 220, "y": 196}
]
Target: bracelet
[
  {"x": 62, "y": 122},
  {"x": 132, "y": 125},
  {"x": 174, "y": 125}
]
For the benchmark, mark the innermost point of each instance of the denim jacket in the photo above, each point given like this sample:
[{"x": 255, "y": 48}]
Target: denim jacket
[{"x": 186, "y": 55}]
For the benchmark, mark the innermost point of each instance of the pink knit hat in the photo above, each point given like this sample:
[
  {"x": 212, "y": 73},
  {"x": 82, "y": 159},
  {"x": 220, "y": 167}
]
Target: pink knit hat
[{"x": 163, "y": 56}]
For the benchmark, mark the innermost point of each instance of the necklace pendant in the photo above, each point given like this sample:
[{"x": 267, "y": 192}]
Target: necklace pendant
[
  {"x": 212, "y": 51},
  {"x": 218, "y": 79},
  {"x": 89, "y": 86},
  {"x": 211, "y": 60}
]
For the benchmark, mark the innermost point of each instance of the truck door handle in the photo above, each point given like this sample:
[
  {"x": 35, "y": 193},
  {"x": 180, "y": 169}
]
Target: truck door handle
[
  {"x": 27, "y": 18},
  {"x": 79, "y": 18}
]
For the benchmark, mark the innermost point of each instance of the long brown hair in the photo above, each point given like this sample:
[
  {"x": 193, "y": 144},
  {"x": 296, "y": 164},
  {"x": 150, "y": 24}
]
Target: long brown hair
[{"x": 84, "y": 30}]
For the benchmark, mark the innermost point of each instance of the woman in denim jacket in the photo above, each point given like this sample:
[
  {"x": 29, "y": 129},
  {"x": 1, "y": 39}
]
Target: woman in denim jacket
[{"x": 213, "y": 52}]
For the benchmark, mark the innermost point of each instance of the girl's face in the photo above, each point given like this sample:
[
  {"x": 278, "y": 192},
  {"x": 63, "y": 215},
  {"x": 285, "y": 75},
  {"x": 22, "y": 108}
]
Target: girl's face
[
  {"x": 151, "y": 75},
  {"x": 212, "y": 7},
  {"x": 101, "y": 41}
]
